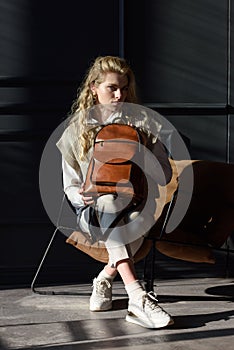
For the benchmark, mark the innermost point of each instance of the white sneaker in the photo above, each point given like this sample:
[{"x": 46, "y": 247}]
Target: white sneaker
[
  {"x": 147, "y": 313},
  {"x": 101, "y": 298}
]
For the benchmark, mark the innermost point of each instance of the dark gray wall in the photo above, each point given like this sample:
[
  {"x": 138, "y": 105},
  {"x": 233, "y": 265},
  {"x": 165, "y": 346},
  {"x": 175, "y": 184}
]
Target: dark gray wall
[
  {"x": 181, "y": 59},
  {"x": 179, "y": 51},
  {"x": 46, "y": 46}
]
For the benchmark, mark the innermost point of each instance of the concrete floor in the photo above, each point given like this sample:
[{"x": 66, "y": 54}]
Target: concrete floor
[{"x": 202, "y": 308}]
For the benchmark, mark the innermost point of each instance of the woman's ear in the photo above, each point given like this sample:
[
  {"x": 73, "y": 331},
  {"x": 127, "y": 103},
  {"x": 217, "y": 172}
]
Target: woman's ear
[
  {"x": 94, "y": 92},
  {"x": 93, "y": 88}
]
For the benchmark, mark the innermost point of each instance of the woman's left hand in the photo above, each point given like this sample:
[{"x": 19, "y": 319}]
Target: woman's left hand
[{"x": 87, "y": 200}]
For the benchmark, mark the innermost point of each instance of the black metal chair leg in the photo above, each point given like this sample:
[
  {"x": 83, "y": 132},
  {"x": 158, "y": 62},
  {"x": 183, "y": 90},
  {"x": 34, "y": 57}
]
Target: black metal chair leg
[
  {"x": 150, "y": 279},
  {"x": 149, "y": 269},
  {"x": 34, "y": 290},
  {"x": 41, "y": 263},
  {"x": 152, "y": 274}
]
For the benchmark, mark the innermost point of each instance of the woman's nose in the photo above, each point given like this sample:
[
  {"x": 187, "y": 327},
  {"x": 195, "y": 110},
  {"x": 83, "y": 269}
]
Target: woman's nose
[{"x": 118, "y": 93}]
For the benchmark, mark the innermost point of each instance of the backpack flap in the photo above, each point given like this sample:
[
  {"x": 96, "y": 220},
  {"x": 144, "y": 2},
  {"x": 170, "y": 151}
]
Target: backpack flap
[{"x": 112, "y": 167}]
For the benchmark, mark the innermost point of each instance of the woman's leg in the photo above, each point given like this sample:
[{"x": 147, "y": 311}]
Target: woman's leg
[
  {"x": 143, "y": 307},
  {"x": 111, "y": 271},
  {"x": 127, "y": 271},
  {"x": 101, "y": 298},
  {"x": 108, "y": 207}
]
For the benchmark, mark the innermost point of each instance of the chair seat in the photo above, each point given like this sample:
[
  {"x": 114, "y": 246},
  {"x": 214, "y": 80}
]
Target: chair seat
[{"x": 98, "y": 250}]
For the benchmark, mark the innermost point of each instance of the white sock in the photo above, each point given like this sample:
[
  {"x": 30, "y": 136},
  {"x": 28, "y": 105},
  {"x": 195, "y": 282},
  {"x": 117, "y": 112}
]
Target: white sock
[
  {"x": 105, "y": 275},
  {"x": 135, "y": 290}
]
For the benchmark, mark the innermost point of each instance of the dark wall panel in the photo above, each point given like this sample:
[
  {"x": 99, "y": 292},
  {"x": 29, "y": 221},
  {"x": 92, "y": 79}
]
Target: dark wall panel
[
  {"x": 22, "y": 247},
  {"x": 19, "y": 177},
  {"x": 206, "y": 134},
  {"x": 54, "y": 97},
  {"x": 45, "y": 49},
  {"x": 55, "y": 38},
  {"x": 181, "y": 51},
  {"x": 231, "y": 145},
  {"x": 231, "y": 39}
]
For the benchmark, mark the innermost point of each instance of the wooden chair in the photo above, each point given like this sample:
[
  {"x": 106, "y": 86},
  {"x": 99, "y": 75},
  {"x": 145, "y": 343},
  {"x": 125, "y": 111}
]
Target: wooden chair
[
  {"x": 206, "y": 225},
  {"x": 208, "y": 221}
]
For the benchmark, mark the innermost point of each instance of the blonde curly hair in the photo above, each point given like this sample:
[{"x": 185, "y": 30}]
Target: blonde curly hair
[{"x": 95, "y": 76}]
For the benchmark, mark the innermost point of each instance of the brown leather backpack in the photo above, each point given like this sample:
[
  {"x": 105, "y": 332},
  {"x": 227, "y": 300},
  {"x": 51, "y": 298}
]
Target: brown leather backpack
[{"x": 117, "y": 162}]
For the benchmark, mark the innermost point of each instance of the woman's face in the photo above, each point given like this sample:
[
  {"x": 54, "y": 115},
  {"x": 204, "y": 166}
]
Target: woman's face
[{"x": 113, "y": 89}]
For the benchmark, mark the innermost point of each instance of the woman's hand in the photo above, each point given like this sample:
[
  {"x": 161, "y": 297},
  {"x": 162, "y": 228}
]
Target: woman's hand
[{"x": 86, "y": 200}]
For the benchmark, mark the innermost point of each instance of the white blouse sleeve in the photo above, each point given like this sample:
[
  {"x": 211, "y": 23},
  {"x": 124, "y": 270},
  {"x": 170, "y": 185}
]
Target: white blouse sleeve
[{"x": 71, "y": 184}]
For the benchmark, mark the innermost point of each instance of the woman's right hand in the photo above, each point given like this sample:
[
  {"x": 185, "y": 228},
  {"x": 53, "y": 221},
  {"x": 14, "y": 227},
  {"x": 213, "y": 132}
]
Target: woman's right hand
[{"x": 87, "y": 200}]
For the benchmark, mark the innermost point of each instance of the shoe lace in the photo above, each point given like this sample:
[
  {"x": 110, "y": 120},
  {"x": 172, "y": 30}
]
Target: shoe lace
[
  {"x": 150, "y": 299},
  {"x": 102, "y": 286}
]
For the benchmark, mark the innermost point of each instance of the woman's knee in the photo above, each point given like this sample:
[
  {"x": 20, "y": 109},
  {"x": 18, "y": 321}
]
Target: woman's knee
[{"x": 111, "y": 203}]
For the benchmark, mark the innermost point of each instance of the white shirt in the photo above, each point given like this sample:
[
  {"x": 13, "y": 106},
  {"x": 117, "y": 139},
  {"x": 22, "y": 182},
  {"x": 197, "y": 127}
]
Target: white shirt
[{"x": 71, "y": 184}]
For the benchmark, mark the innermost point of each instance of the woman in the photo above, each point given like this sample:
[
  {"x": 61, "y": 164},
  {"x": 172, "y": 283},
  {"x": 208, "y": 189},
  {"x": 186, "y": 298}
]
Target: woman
[{"x": 109, "y": 83}]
